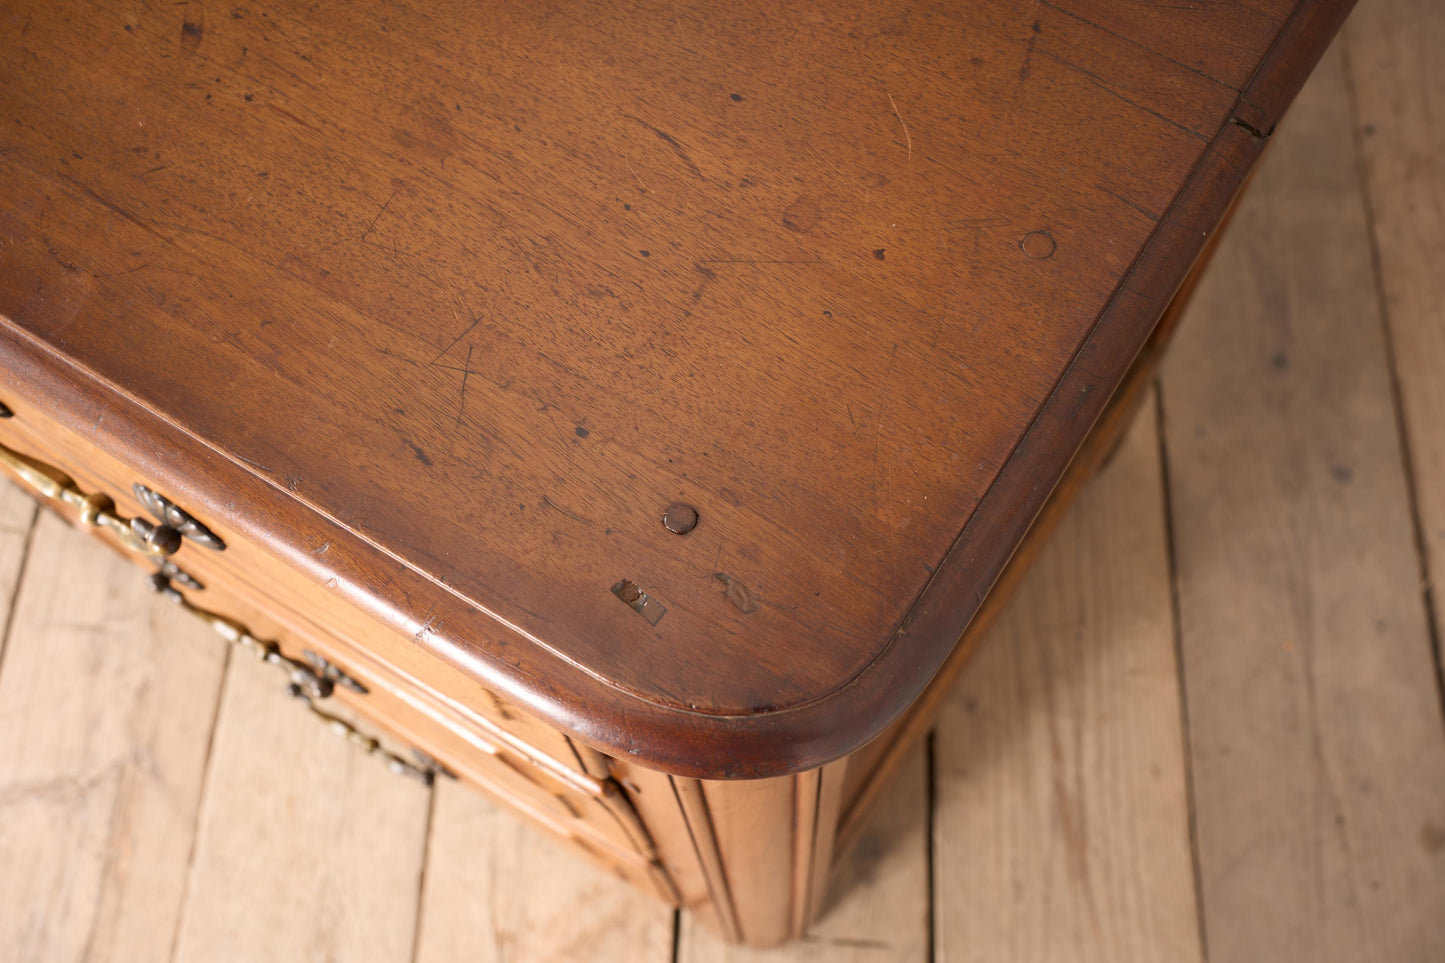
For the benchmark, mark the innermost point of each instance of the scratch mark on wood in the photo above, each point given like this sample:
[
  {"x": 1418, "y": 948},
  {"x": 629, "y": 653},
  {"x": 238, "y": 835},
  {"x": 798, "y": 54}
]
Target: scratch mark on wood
[
  {"x": 1134, "y": 43},
  {"x": 420, "y": 455},
  {"x": 370, "y": 227},
  {"x": 429, "y": 625},
  {"x": 759, "y": 261},
  {"x": 1099, "y": 82},
  {"x": 443, "y": 351},
  {"x": 548, "y": 503},
  {"x": 466, "y": 373},
  {"x": 255, "y": 464},
  {"x": 121, "y": 274},
  {"x": 1124, "y": 200},
  {"x": 860, "y": 944},
  {"x": 908, "y": 140},
  {"x": 964, "y": 224},
  {"x": 1250, "y": 129},
  {"x": 293, "y": 118},
  {"x": 670, "y": 141},
  {"x": 148, "y": 228},
  {"x": 640, "y": 186}
]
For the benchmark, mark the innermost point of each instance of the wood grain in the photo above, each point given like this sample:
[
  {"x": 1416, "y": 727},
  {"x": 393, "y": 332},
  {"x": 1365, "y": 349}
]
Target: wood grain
[
  {"x": 106, "y": 704},
  {"x": 1399, "y": 97},
  {"x": 1062, "y": 825},
  {"x": 497, "y": 892},
  {"x": 755, "y": 826},
  {"x": 1319, "y": 768},
  {"x": 878, "y": 910},
  {"x": 307, "y": 849},
  {"x": 870, "y": 769},
  {"x": 17, "y": 520},
  {"x": 472, "y": 293}
]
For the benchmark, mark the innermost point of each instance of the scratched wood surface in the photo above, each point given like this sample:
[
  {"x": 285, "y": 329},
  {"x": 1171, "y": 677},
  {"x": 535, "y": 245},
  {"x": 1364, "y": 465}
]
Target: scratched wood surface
[
  {"x": 538, "y": 271},
  {"x": 97, "y": 682},
  {"x": 1313, "y": 700}
]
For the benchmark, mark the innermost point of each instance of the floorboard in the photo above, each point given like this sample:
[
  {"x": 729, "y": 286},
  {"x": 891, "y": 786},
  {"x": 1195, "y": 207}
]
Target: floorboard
[
  {"x": 1062, "y": 815},
  {"x": 498, "y": 892},
  {"x": 17, "y": 521},
  {"x": 1393, "y": 50},
  {"x": 308, "y": 849},
  {"x": 106, "y": 701},
  {"x": 1318, "y": 757}
]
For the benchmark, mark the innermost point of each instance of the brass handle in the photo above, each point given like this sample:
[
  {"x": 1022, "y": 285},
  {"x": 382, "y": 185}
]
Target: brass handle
[
  {"x": 424, "y": 772},
  {"x": 311, "y": 681},
  {"x": 318, "y": 685},
  {"x": 96, "y": 509}
]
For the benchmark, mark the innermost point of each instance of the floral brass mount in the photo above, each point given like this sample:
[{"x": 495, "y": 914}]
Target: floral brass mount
[
  {"x": 96, "y": 510},
  {"x": 316, "y": 677},
  {"x": 174, "y": 519},
  {"x": 424, "y": 770},
  {"x": 311, "y": 681}
]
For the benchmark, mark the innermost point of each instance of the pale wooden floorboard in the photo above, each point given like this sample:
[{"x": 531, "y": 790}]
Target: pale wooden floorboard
[
  {"x": 106, "y": 702},
  {"x": 878, "y": 911},
  {"x": 1394, "y": 52},
  {"x": 308, "y": 849},
  {"x": 1062, "y": 822},
  {"x": 499, "y": 892},
  {"x": 1318, "y": 756},
  {"x": 17, "y": 519}
]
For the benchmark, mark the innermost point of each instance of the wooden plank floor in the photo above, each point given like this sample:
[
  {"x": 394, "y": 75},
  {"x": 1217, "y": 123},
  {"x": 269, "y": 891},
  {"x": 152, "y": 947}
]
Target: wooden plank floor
[{"x": 1210, "y": 726}]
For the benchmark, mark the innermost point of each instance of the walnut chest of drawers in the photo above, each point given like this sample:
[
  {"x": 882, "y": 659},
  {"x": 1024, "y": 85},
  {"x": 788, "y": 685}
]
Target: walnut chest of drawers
[{"x": 637, "y": 410}]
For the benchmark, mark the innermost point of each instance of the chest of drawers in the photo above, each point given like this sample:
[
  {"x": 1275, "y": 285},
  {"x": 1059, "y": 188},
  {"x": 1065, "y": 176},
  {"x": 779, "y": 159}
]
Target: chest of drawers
[{"x": 637, "y": 411}]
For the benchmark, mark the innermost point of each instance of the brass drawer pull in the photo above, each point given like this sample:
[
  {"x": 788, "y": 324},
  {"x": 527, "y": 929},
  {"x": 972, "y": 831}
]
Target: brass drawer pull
[
  {"x": 318, "y": 685},
  {"x": 424, "y": 771},
  {"x": 329, "y": 670},
  {"x": 311, "y": 681},
  {"x": 96, "y": 510},
  {"x": 171, "y": 572}
]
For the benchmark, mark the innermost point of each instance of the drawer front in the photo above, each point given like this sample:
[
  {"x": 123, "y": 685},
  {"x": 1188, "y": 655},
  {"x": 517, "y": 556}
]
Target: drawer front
[
  {"x": 253, "y": 573},
  {"x": 589, "y": 810},
  {"x": 515, "y": 759}
]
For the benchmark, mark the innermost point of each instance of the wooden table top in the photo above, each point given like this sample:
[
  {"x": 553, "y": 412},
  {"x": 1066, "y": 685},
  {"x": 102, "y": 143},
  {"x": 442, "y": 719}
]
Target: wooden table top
[{"x": 471, "y": 293}]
